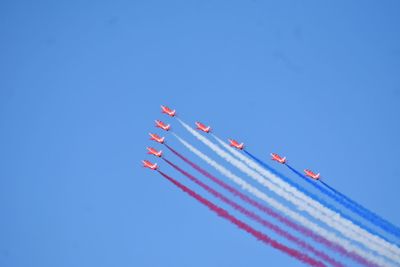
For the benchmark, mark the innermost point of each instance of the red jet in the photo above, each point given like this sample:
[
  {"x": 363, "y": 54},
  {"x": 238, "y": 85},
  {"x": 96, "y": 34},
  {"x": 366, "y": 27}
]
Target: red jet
[
  {"x": 157, "y": 138},
  {"x": 202, "y": 127},
  {"x": 311, "y": 174},
  {"x": 162, "y": 125},
  {"x": 236, "y": 144},
  {"x": 148, "y": 164},
  {"x": 278, "y": 158},
  {"x": 154, "y": 152},
  {"x": 168, "y": 111}
]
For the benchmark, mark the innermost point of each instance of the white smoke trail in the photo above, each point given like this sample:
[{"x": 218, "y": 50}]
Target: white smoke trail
[
  {"x": 393, "y": 252},
  {"x": 289, "y": 197},
  {"x": 304, "y": 203},
  {"x": 302, "y": 197},
  {"x": 348, "y": 246}
]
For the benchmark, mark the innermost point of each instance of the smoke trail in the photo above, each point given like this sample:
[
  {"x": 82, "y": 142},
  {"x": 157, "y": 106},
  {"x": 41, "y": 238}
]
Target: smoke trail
[
  {"x": 301, "y": 201},
  {"x": 315, "y": 197},
  {"x": 362, "y": 211},
  {"x": 348, "y": 246},
  {"x": 270, "y": 212},
  {"x": 357, "y": 208},
  {"x": 303, "y": 204},
  {"x": 260, "y": 236},
  {"x": 257, "y": 218},
  {"x": 328, "y": 186}
]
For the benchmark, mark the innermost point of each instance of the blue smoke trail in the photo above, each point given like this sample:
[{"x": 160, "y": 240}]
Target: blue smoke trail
[
  {"x": 359, "y": 209},
  {"x": 323, "y": 202}
]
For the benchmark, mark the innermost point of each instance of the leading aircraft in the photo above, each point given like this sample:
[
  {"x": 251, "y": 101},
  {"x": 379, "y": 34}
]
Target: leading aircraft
[
  {"x": 162, "y": 125},
  {"x": 148, "y": 164},
  {"x": 168, "y": 111}
]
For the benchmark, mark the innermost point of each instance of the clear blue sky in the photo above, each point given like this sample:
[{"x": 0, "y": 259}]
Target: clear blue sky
[{"x": 81, "y": 83}]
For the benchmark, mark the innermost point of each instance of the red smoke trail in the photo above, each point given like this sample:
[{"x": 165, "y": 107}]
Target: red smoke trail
[
  {"x": 260, "y": 236},
  {"x": 301, "y": 229},
  {"x": 257, "y": 218}
]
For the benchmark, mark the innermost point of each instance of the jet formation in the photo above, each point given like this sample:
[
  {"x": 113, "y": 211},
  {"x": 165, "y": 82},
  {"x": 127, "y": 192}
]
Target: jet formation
[{"x": 207, "y": 129}]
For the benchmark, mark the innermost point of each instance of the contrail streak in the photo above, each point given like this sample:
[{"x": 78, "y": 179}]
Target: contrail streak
[
  {"x": 354, "y": 206},
  {"x": 288, "y": 212},
  {"x": 257, "y": 218},
  {"x": 313, "y": 196},
  {"x": 257, "y": 234},
  {"x": 301, "y": 201},
  {"x": 266, "y": 210}
]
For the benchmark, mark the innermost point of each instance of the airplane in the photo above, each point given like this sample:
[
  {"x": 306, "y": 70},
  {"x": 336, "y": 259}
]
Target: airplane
[
  {"x": 154, "y": 152},
  {"x": 202, "y": 127},
  {"x": 148, "y": 164},
  {"x": 168, "y": 111},
  {"x": 157, "y": 138},
  {"x": 278, "y": 158},
  {"x": 162, "y": 125},
  {"x": 234, "y": 143},
  {"x": 311, "y": 174}
]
